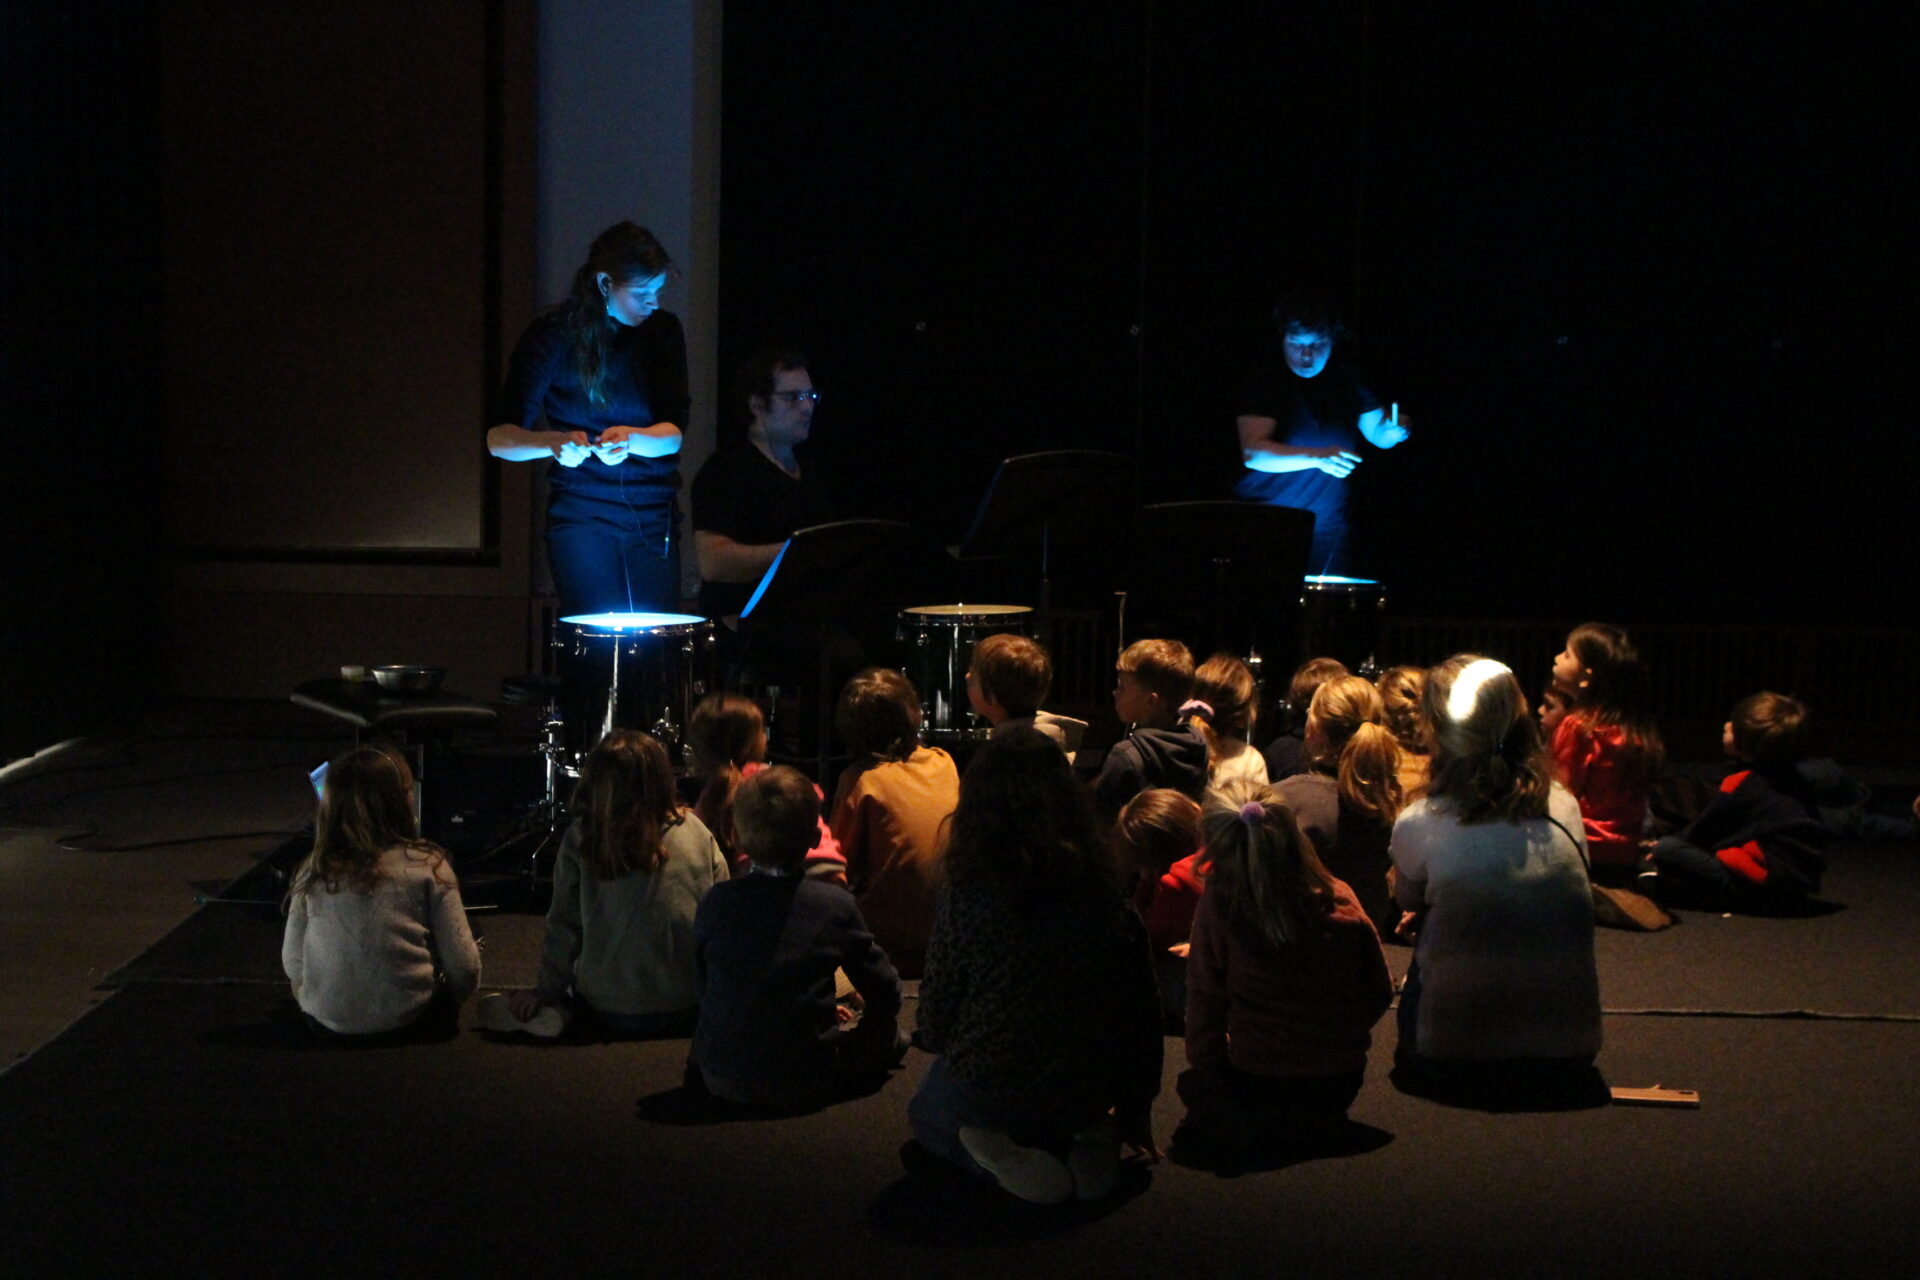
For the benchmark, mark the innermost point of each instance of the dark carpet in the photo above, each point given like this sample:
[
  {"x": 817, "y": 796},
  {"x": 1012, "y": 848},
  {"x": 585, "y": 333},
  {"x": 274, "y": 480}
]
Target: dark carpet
[{"x": 191, "y": 1126}]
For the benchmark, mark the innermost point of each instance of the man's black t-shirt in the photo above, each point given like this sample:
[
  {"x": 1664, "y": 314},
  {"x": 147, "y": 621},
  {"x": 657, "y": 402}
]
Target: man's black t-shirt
[
  {"x": 1314, "y": 413},
  {"x": 742, "y": 494}
]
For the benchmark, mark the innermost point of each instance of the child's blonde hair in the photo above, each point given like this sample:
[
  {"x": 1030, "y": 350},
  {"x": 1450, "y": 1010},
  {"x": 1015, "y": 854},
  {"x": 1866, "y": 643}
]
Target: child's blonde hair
[
  {"x": 1014, "y": 672},
  {"x": 1161, "y": 667},
  {"x": 1345, "y": 737},
  {"x": 1227, "y": 686},
  {"x": 366, "y": 808},
  {"x": 1488, "y": 758},
  {"x": 626, "y": 802},
  {"x": 1158, "y": 828},
  {"x": 1767, "y": 727},
  {"x": 1400, "y": 689},
  {"x": 1260, "y": 865}
]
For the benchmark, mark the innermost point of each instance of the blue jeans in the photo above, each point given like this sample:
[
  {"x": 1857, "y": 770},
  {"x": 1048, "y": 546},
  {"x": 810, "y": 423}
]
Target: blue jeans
[{"x": 608, "y": 557}]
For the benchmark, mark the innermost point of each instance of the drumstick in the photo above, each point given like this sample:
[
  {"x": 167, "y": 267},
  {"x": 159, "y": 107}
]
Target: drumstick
[{"x": 1396, "y": 413}]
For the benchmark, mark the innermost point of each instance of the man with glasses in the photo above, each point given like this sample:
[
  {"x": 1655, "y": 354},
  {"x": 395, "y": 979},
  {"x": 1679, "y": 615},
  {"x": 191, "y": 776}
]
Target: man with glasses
[{"x": 751, "y": 495}]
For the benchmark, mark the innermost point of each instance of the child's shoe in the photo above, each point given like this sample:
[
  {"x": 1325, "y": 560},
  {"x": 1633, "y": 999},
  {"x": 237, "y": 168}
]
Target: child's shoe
[
  {"x": 496, "y": 1015},
  {"x": 1094, "y": 1160},
  {"x": 1033, "y": 1175}
]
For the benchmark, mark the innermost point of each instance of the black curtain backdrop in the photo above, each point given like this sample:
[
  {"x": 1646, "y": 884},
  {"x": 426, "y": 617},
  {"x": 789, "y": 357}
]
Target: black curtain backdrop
[{"x": 1632, "y": 273}]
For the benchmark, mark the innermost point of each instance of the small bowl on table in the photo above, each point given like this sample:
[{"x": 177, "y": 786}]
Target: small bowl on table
[{"x": 409, "y": 679}]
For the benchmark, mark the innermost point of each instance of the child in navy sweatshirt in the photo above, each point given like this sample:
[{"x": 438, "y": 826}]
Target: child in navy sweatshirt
[
  {"x": 1758, "y": 845},
  {"x": 766, "y": 948}
]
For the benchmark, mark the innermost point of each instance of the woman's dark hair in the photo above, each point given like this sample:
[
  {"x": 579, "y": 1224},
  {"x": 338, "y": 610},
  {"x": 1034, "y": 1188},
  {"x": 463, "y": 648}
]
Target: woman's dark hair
[
  {"x": 1489, "y": 762},
  {"x": 626, "y": 252},
  {"x": 626, "y": 802},
  {"x": 1024, "y": 818},
  {"x": 366, "y": 808}
]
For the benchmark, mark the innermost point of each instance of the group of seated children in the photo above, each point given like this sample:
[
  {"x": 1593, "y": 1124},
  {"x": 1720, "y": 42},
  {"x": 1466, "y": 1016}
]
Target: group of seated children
[{"x": 1057, "y": 929}]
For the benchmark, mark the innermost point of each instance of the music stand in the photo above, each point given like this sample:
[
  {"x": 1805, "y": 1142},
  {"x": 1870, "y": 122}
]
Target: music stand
[
  {"x": 821, "y": 575},
  {"x": 1037, "y": 494},
  {"x": 1235, "y": 566}
]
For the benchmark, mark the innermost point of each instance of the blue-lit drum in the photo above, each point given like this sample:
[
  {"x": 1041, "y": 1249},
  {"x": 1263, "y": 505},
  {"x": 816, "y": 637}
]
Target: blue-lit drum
[
  {"x": 631, "y": 671},
  {"x": 939, "y": 640},
  {"x": 1341, "y": 618}
]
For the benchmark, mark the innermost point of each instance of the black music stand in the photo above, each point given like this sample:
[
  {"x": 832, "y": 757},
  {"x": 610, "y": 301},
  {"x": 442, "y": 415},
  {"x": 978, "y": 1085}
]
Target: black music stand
[
  {"x": 1232, "y": 570},
  {"x": 822, "y": 575},
  {"x": 1039, "y": 495}
]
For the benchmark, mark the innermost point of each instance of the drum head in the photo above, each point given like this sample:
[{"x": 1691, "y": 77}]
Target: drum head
[
  {"x": 961, "y": 612},
  {"x": 618, "y": 624},
  {"x": 1335, "y": 580}
]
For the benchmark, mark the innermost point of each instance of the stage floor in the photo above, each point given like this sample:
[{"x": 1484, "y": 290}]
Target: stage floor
[{"x": 185, "y": 1123}]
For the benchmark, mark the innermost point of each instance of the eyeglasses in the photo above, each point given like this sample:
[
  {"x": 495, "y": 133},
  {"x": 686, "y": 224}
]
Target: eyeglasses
[{"x": 798, "y": 397}]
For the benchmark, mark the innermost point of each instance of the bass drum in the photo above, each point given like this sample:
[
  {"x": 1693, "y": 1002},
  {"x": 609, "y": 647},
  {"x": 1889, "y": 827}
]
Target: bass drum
[
  {"x": 642, "y": 671},
  {"x": 939, "y": 640},
  {"x": 1342, "y": 619}
]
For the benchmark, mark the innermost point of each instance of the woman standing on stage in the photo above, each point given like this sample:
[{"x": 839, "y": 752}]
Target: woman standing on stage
[{"x": 607, "y": 371}]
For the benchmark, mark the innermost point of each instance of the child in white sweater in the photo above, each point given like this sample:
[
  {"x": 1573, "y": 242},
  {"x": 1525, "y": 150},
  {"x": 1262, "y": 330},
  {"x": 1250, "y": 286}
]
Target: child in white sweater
[
  {"x": 376, "y": 931},
  {"x": 632, "y": 868}
]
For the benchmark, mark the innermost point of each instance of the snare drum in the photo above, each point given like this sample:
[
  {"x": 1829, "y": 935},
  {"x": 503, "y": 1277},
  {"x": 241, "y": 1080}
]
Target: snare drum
[
  {"x": 631, "y": 671},
  {"x": 1342, "y": 618},
  {"x": 939, "y": 639}
]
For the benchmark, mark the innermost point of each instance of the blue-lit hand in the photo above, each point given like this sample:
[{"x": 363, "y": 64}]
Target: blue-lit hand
[
  {"x": 612, "y": 447},
  {"x": 1390, "y": 434},
  {"x": 1335, "y": 461},
  {"x": 572, "y": 449}
]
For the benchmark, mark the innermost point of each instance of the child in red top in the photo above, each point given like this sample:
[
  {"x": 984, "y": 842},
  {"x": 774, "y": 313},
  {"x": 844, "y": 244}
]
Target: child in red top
[
  {"x": 1607, "y": 747},
  {"x": 1158, "y": 836},
  {"x": 726, "y": 745}
]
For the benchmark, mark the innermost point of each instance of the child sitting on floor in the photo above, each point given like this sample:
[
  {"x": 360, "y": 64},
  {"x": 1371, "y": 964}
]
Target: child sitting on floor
[
  {"x": 1555, "y": 705},
  {"x": 376, "y": 933},
  {"x": 766, "y": 948},
  {"x": 1758, "y": 845},
  {"x": 1347, "y": 801},
  {"x": 1286, "y": 755},
  {"x": 1158, "y": 835},
  {"x": 1284, "y": 983},
  {"x": 888, "y": 810},
  {"x": 630, "y": 873},
  {"x": 727, "y": 744},
  {"x": 1608, "y": 747},
  {"x": 1038, "y": 994},
  {"x": 1153, "y": 680},
  {"x": 1226, "y": 685},
  {"x": 1400, "y": 692},
  {"x": 1007, "y": 680}
]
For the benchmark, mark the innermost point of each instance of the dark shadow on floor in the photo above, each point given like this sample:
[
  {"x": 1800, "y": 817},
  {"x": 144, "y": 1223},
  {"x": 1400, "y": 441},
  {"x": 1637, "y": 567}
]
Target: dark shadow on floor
[
  {"x": 285, "y": 1028},
  {"x": 1346, "y": 1139},
  {"x": 691, "y": 1106},
  {"x": 1492, "y": 1088},
  {"x": 938, "y": 1205}
]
